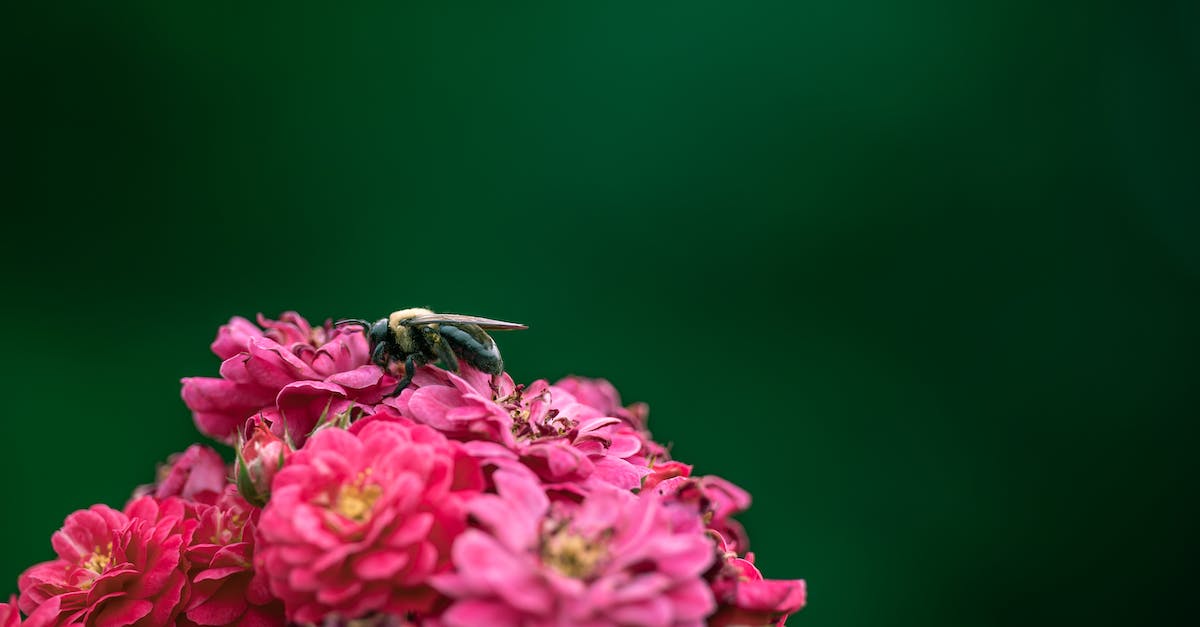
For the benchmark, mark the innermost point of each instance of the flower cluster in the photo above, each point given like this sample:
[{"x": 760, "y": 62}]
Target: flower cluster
[{"x": 465, "y": 499}]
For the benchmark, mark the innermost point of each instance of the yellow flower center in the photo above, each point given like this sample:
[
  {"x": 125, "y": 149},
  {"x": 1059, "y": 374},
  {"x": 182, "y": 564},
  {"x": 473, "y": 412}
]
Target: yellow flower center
[
  {"x": 228, "y": 534},
  {"x": 99, "y": 559},
  {"x": 571, "y": 554},
  {"x": 355, "y": 501}
]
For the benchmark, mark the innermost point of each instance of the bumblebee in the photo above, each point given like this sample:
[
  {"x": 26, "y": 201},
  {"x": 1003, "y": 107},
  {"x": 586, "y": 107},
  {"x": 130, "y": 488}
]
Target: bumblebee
[{"x": 419, "y": 336}]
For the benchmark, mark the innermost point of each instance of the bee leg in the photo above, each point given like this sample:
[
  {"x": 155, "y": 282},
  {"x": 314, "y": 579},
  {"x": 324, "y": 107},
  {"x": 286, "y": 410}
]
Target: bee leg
[
  {"x": 410, "y": 369},
  {"x": 446, "y": 355},
  {"x": 439, "y": 344},
  {"x": 380, "y": 357}
]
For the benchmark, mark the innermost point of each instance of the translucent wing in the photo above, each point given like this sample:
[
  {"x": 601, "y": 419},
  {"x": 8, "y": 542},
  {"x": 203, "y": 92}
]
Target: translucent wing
[{"x": 483, "y": 323}]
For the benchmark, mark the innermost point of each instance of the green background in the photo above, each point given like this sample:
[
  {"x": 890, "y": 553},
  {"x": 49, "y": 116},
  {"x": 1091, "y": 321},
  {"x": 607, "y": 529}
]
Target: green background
[{"x": 923, "y": 276}]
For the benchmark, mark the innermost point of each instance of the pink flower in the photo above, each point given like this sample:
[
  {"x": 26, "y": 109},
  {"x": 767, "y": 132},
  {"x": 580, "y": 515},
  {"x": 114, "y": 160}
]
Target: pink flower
[
  {"x": 615, "y": 559},
  {"x": 745, "y": 598},
  {"x": 716, "y": 499},
  {"x": 359, "y": 522},
  {"x": 45, "y": 615},
  {"x": 461, "y": 406},
  {"x": 600, "y": 395},
  {"x": 666, "y": 470},
  {"x": 567, "y": 443},
  {"x": 259, "y": 459},
  {"x": 197, "y": 473},
  {"x": 292, "y": 372},
  {"x": 225, "y": 589},
  {"x": 9, "y": 616},
  {"x": 113, "y": 568}
]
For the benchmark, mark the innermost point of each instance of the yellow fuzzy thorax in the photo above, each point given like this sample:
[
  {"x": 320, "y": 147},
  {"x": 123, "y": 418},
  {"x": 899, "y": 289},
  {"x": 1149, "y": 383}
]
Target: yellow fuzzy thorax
[{"x": 404, "y": 314}]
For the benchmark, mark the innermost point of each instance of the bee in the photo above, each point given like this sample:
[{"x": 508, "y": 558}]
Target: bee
[{"x": 419, "y": 336}]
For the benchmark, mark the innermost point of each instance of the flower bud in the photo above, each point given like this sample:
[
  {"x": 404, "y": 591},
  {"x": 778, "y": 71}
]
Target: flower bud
[
  {"x": 197, "y": 474},
  {"x": 258, "y": 459}
]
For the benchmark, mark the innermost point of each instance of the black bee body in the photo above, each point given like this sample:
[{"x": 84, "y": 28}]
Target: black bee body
[
  {"x": 419, "y": 336},
  {"x": 475, "y": 346}
]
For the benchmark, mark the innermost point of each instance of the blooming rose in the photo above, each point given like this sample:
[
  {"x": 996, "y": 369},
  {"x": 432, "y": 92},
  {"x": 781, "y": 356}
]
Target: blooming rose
[
  {"x": 615, "y": 559},
  {"x": 359, "y": 522},
  {"x": 291, "y": 372},
  {"x": 600, "y": 395},
  {"x": 716, "y": 499},
  {"x": 225, "y": 589},
  {"x": 114, "y": 568},
  {"x": 465, "y": 499},
  {"x": 197, "y": 473},
  {"x": 568, "y": 444}
]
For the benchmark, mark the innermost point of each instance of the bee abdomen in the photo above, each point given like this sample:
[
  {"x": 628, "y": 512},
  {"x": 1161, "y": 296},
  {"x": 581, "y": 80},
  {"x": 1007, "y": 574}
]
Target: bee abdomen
[{"x": 475, "y": 346}]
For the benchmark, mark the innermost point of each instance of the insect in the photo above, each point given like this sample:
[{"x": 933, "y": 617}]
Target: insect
[{"x": 419, "y": 336}]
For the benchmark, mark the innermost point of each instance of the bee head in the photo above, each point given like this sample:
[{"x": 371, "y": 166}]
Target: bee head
[{"x": 379, "y": 332}]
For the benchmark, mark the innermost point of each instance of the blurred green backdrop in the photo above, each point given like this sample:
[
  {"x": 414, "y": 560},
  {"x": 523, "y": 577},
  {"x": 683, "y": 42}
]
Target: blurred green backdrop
[{"x": 923, "y": 276}]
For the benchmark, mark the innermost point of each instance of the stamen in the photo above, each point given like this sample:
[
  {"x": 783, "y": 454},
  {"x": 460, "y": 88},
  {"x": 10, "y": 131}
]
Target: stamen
[
  {"x": 355, "y": 501},
  {"x": 99, "y": 560},
  {"x": 571, "y": 554}
]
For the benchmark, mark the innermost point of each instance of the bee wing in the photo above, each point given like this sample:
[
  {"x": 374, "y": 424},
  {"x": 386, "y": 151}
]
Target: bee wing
[{"x": 483, "y": 323}]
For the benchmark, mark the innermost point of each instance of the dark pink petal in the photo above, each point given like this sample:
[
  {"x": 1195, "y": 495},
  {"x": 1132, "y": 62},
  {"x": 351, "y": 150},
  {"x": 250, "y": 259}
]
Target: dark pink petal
[
  {"x": 474, "y": 613},
  {"x": 198, "y": 469},
  {"x": 623, "y": 444},
  {"x": 219, "y": 407},
  {"x": 224, "y": 607},
  {"x": 10, "y": 616},
  {"x": 305, "y": 404},
  {"x": 557, "y": 460},
  {"x": 433, "y": 406},
  {"x": 665, "y": 470},
  {"x": 344, "y": 352},
  {"x": 693, "y": 600},
  {"x": 290, "y": 328},
  {"x": 208, "y": 394},
  {"x": 272, "y": 365},
  {"x": 648, "y": 612},
  {"x": 215, "y": 574},
  {"x": 233, "y": 337},
  {"x": 514, "y": 517},
  {"x": 381, "y": 564},
  {"x": 773, "y": 595},
  {"x": 620, "y": 473},
  {"x": 121, "y": 612},
  {"x": 359, "y": 378},
  {"x": 727, "y": 498},
  {"x": 47, "y": 614}
]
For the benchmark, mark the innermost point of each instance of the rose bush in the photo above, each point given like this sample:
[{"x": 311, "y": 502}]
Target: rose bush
[{"x": 465, "y": 499}]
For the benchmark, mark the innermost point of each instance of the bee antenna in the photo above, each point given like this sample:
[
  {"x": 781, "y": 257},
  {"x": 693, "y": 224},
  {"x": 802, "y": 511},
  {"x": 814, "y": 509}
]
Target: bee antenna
[{"x": 359, "y": 321}]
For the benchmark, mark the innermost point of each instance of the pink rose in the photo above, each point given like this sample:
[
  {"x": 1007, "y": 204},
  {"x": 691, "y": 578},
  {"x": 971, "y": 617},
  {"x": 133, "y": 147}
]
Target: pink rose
[
  {"x": 360, "y": 522},
  {"x": 114, "y": 568},
  {"x": 615, "y": 559},
  {"x": 291, "y": 372},
  {"x": 225, "y": 588},
  {"x": 197, "y": 473}
]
